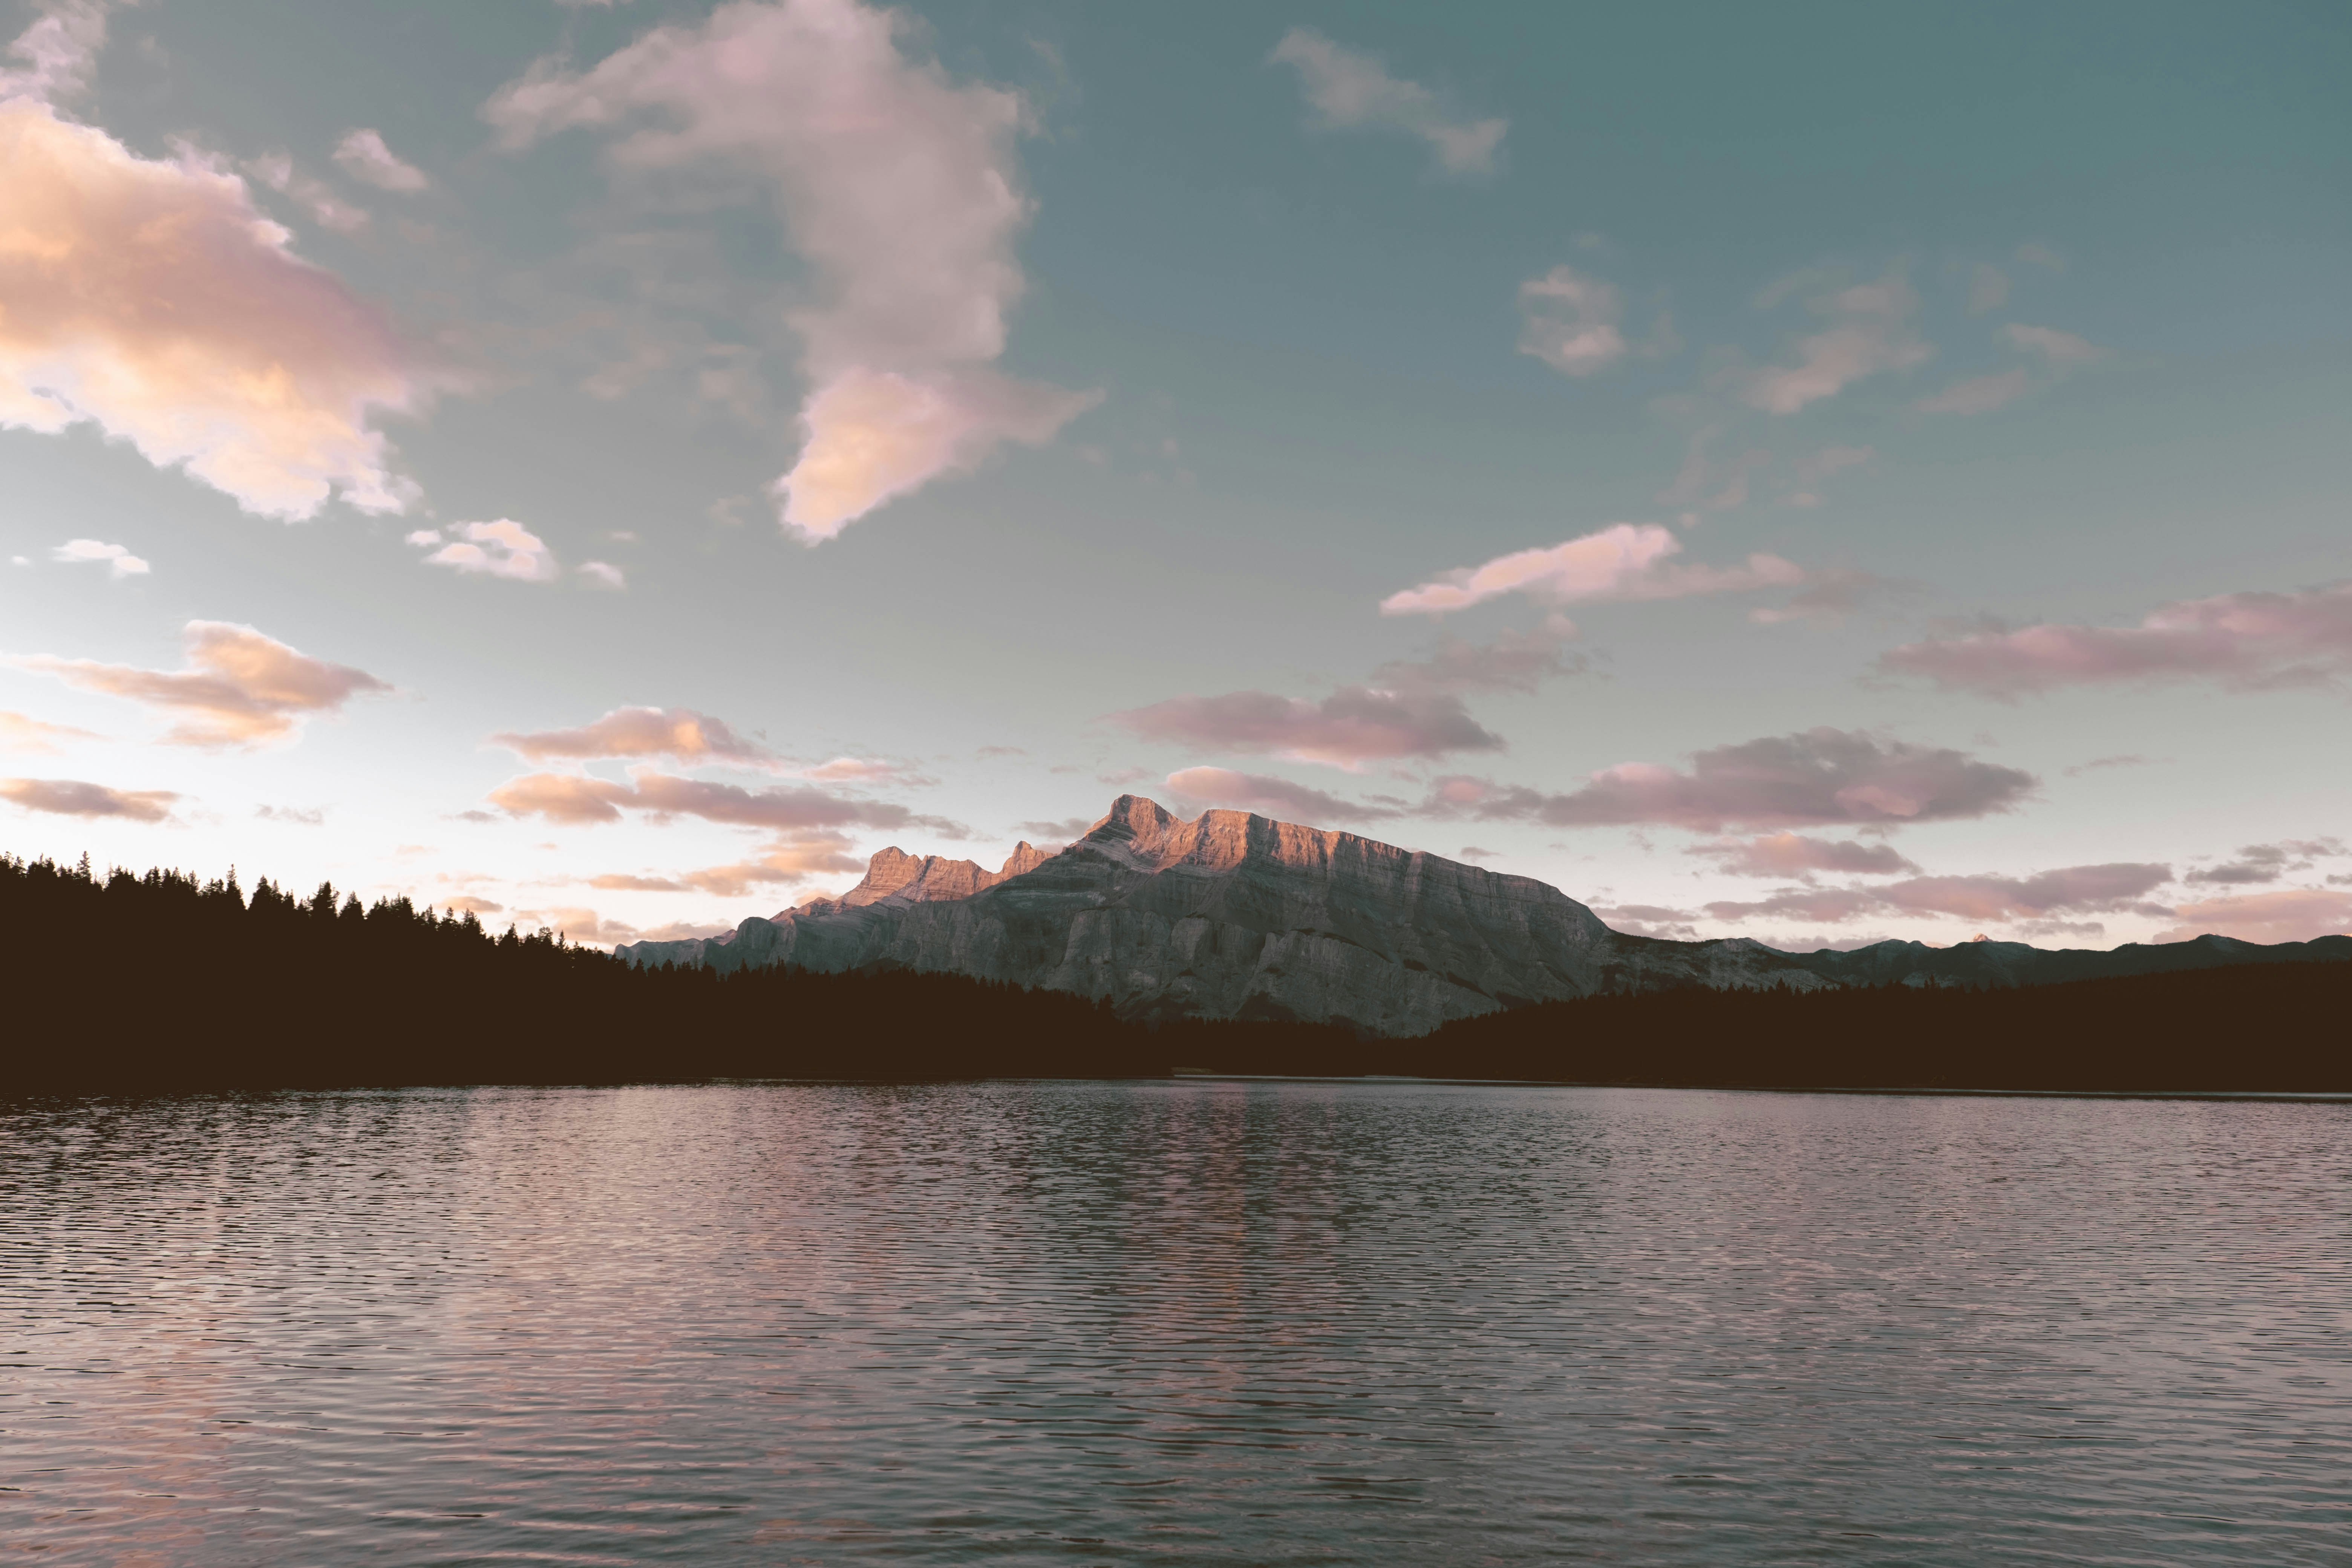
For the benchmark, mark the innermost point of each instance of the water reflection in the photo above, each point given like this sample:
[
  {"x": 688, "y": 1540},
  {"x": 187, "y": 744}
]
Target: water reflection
[{"x": 1198, "y": 1321}]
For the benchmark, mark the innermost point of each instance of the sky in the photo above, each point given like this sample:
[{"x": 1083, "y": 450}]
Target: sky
[{"x": 1818, "y": 473}]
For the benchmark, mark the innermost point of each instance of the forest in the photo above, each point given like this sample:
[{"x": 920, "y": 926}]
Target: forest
[{"x": 159, "y": 982}]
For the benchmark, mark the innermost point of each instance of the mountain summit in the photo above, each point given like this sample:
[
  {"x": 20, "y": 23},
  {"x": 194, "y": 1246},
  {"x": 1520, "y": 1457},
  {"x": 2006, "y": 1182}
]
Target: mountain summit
[{"x": 1235, "y": 916}]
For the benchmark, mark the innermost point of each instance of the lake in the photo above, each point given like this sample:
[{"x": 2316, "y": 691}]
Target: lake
[{"x": 1192, "y": 1322}]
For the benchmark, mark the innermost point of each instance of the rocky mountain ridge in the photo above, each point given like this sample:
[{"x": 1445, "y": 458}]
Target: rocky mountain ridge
[{"x": 1237, "y": 916}]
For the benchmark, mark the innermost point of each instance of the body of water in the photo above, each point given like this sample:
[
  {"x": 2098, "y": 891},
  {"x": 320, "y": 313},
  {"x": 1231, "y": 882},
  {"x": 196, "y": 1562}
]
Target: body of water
[{"x": 1196, "y": 1321}]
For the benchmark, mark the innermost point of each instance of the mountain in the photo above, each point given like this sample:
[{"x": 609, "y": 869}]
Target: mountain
[{"x": 1235, "y": 916}]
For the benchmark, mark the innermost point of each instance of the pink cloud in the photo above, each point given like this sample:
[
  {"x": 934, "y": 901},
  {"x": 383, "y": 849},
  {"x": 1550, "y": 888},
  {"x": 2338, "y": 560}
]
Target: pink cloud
[
  {"x": 1866, "y": 333},
  {"x": 19, "y": 733},
  {"x": 1354, "y": 725},
  {"x": 1569, "y": 321},
  {"x": 1793, "y": 854},
  {"x": 576, "y": 798},
  {"x": 2070, "y": 890},
  {"x": 2244, "y": 641},
  {"x": 1352, "y": 91},
  {"x": 155, "y": 301},
  {"x": 1625, "y": 561},
  {"x": 678, "y": 732},
  {"x": 1273, "y": 797},
  {"x": 72, "y": 797},
  {"x": 1815, "y": 778},
  {"x": 2290, "y": 914},
  {"x": 364, "y": 156},
  {"x": 501, "y": 549},
  {"x": 899, "y": 187},
  {"x": 241, "y": 688}
]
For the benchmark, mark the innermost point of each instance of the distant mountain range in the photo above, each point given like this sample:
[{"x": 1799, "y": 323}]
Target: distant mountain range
[{"x": 1237, "y": 916}]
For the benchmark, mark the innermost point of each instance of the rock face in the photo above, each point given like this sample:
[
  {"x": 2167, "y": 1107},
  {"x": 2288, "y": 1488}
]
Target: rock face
[{"x": 1235, "y": 916}]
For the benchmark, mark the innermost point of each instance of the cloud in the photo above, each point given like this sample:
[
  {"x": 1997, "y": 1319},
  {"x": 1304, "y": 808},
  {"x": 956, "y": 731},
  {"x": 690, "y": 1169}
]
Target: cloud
[
  {"x": 500, "y": 549},
  {"x": 466, "y": 903},
  {"x": 155, "y": 301},
  {"x": 2121, "y": 760},
  {"x": 19, "y": 733},
  {"x": 1988, "y": 289},
  {"x": 1352, "y": 91},
  {"x": 60, "y": 51},
  {"x": 869, "y": 437},
  {"x": 2291, "y": 914},
  {"x": 2070, "y": 890},
  {"x": 2062, "y": 350},
  {"x": 576, "y": 798},
  {"x": 1832, "y": 595},
  {"x": 1708, "y": 484},
  {"x": 1792, "y": 855},
  {"x": 363, "y": 156},
  {"x": 1354, "y": 725},
  {"x": 899, "y": 187},
  {"x": 785, "y": 861},
  {"x": 2259, "y": 863},
  {"x": 604, "y": 574},
  {"x": 866, "y": 770},
  {"x": 1866, "y": 333},
  {"x": 326, "y": 208},
  {"x": 1625, "y": 561},
  {"x": 71, "y": 797},
  {"x": 1271, "y": 796},
  {"x": 240, "y": 687},
  {"x": 2243, "y": 641},
  {"x": 1815, "y": 778},
  {"x": 1062, "y": 832},
  {"x": 2034, "y": 253},
  {"x": 1980, "y": 394},
  {"x": 678, "y": 732},
  {"x": 120, "y": 562},
  {"x": 1569, "y": 321},
  {"x": 1515, "y": 661},
  {"x": 1650, "y": 921},
  {"x": 311, "y": 817}
]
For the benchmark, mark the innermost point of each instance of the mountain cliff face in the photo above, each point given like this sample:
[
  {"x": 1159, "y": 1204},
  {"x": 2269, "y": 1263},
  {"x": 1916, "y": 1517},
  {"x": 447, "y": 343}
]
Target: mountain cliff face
[{"x": 1235, "y": 916}]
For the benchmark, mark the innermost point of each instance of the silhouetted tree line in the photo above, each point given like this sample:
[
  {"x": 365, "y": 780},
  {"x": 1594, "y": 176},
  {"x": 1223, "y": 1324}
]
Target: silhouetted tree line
[{"x": 148, "y": 983}]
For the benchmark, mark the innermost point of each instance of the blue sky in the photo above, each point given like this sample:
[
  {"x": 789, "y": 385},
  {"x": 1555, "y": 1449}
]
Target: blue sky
[{"x": 1814, "y": 473}]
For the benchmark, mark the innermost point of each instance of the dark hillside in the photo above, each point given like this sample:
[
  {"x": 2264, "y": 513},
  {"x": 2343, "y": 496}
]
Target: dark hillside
[{"x": 130, "y": 984}]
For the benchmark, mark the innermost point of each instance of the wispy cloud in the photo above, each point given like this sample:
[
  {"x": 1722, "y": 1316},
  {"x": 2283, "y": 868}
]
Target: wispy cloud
[
  {"x": 1794, "y": 855},
  {"x": 1349, "y": 89},
  {"x": 2290, "y": 914},
  {"x": 501, "y": 549},
  {"x": 1866, "y": 331},
  {"x": 677, "y": 733},
  {"x": 2258, "y": 863},
  {"x": 72, "y": 797},
  {"x": 2242, "y": 641},
  {"x": 899, "y": 187},
  {"x": 1816, "y": 778},
  {"x": 1569, "y": 321},
  {"x": 579, "y": 799},
  {"x": 239, "y": 689},
  {"x": 118, "y": 560},
  {"x": 2071, "y": 890},
  {"x": 363, "y": 156},
  {"x": 1270, "y": 796},
  {"x": 1354, "y": 725},
  {"x": 1625, "y": 561},
  {"x": 21, "y": 734}
]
